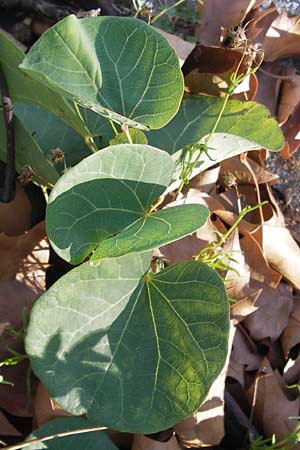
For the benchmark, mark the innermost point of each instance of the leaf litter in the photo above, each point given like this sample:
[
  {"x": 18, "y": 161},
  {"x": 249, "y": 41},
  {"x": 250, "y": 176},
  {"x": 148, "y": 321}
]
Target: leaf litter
[{"x": 262, "y": 257}]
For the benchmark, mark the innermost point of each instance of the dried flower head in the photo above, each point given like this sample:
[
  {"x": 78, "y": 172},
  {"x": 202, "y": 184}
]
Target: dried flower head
[
  {"x": 26, "y": 175},
  {"x": 229, "y": 180},
  {"x": 56, "y": 155}
]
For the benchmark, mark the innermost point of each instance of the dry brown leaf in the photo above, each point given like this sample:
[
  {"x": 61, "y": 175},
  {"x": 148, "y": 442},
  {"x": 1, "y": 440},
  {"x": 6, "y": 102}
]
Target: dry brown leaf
[
  {"x": 291, "y": 373},
  {"x": 268, "y": 86},
  {"x": 181, "y": 47},
  {"x": 258, "y": 22},
  {"x": 45, "y": 408},
  {"x": 15, "y": 298},
  {"x": 205, "y": 182},
  {"x": 220, "y": 13},
  {"x": 244, "y": 350},
  {"x": 236, "y": 371},
  {"x": 291, "y": 334},
  {"x": 6, "y": 428},
  {"x": 280, "y": 249},
  {"x": 15, "y": 216},
  {"x": 206, "y": 427},
  {"x": 235, "y": 167},
  {"x": 208, "y": 69},
  {"x": 272, "y": 315},
  {"x": 142, "y": 442},
  {"x": 272, "y": 408},
  {"x": 291, "y": 131},
  {"x": 290, "y": 96},
  {"x": 245, "y": 304},
  {"x": 21, "y": 253},
  {"x": 283, "y": 38}
]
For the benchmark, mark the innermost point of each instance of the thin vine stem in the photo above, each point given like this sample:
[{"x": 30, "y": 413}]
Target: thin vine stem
[
  {"x": 164, "y": 11},
  {"x": 113, "y": 127},
  {"x": 53, "y": 436},
  {"x": 89, "y": 140},
  {"x": 211, "y": 249},
  {"x": 7, "y": 193}
]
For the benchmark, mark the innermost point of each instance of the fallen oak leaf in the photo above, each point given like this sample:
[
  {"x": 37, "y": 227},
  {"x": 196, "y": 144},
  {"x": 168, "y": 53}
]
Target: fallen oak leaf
[
  {"x": 273, "y": 311},
  {"x": 280, "y": 248},
  {"x": 242, "y": 175},
  {"x": 269, "y": 85},
  {"x": 291, "y": 131},
  {"x": 291, "y": 372},
  {"x": 229, "y": 14},
  {"x": 244, "y": 351},
  {"x": 291, "y": 334},
  {"x": 6, "y": 428},
  {"x": 15, "y": 249},
  {"x": 282, "y": 39},
  {"x": 272, "y": 409},
  {"x": 290, "y": 95},
  {"x": 142, "y": 442}
]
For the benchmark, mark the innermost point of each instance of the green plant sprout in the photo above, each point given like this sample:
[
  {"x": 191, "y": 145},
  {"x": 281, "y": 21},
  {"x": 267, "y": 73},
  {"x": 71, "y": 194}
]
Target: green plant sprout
[
  {"x": 211, "y": 254},
  {"x": 271, "y": 443}
]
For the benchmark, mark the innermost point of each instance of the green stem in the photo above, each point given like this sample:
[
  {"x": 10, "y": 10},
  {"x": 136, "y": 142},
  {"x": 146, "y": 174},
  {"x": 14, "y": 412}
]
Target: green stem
[
  {"x": 89, "y": 140},
  {"x": 164, "y": 11},
  {"x": 53, "y": 436},
  {"x": 225, "y": 236},
  {"x": 113, "y": 127},
  {"x": 225, "y": 101}
]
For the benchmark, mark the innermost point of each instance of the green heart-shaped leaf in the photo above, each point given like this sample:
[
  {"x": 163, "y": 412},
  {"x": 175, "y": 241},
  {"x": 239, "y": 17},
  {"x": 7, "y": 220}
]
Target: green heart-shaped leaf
[
  {"x": 26, "y": 90},
  {"x": 119, "y": 67},
  {"x": 134, "y": 354},
  {"x": 197, "y": 116},
  {"x": 153, "y": 230},
  {"x": 111, "y": 192},
  {"x": 92, "y": 440}
]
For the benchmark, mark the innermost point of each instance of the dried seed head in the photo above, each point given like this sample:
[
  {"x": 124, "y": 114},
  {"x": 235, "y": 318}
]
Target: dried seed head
[
  {"x": 26, "y": 175},
  {"x": 90, "y": 13},
  {"x": 56, "y": 155},
  {"x": 229, "y": 180},
  {"x": 149, "y": 6},
  {"x": 236, "y": 37}
]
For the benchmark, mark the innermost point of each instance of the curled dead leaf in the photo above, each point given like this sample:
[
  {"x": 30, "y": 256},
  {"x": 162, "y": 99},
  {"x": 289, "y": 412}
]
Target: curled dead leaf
[{"x": 208, "y": 69}]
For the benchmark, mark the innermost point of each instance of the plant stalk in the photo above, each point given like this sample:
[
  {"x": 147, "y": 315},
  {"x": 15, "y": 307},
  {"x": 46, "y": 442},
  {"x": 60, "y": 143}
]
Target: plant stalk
[
  {"x": 9, "y": 189},
  {"x": 164, "y": 11},
  {"x": 51, "y": 437}
]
